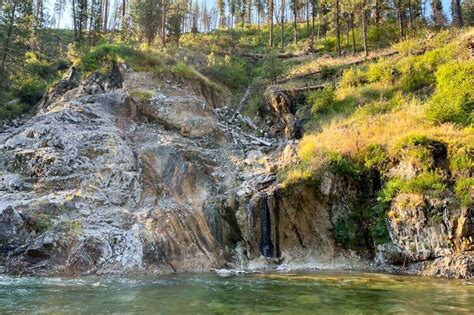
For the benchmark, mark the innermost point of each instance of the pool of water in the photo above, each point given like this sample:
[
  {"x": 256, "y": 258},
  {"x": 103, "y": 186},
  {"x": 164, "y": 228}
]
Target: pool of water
[{"x": 322, "y": 293}]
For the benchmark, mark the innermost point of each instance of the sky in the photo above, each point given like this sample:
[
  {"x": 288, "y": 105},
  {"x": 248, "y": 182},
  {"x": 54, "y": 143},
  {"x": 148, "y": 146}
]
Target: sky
[{"x": 66, "y": 20}]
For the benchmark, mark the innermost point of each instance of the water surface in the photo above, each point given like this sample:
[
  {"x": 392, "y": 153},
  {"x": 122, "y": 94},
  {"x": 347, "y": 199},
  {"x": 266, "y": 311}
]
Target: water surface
[{"x": 315, "y": 293}]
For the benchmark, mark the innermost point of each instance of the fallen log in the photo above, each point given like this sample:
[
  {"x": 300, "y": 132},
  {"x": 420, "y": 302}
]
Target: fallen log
[
  {"x": 233, "y": 131},
  {"x": 300, "y": 89},
  {"x": 243, "y": 100},
  {"x": 349, "y": 64}
]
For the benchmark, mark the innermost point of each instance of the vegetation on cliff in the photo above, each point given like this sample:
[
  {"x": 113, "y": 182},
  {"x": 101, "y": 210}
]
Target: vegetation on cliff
[{"x": 381, "y": 95}]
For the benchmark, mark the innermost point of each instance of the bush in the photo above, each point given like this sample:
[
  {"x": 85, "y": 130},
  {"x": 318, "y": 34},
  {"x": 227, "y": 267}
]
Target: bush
[
  {"x": 13, "y": 110},
  {"x": 374, "y": 156},
  {"x": 378, "y": 227},
  {"x": 408, "y": 47},
  {"x": 231, "y": 71},
  {"x": 98, "y": 56},
  {"x": 343, "y": 166},
  {"x": 30, "y": 89},
  {"x": 271, "y": 67},
  {"x": 453, "y": 100},
  {"x": 426, "y": 182},
  {"x": 381, "y": 71},
  {"x": 414, "y": 75},
  {"x": 142, "y": 96},
  {"x": 105, "y": 54},
  {"x": 36, "y": 67},
  {"x": 464, "y": 190},
  {"x": 461, "y": 161},
  {"x": 353, "y": 78},
  {"x": 322, "y": 101}
]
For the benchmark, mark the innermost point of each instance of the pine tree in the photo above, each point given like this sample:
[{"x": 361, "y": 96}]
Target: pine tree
[
  {"x": 221, "y": 9},
  {"x": 15, "y": 17},
  {"x": 439, "y": 20},
  {"x": 457, "y": 13}
]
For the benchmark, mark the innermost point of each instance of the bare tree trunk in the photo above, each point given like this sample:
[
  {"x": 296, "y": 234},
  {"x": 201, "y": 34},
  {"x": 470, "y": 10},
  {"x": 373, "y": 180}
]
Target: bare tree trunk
[
  {"x": 364, "y": 28},
  {"x": 457, "y": 13},
  {"x": 400, "y": 14},
  {"x": 6, "y": 44},
  {"x": 353, "y": 34},
  {"x": 295, "y": 25},
  {"x": 410, "y": 13},
  {"x": 106, "y": 15},
  {"x": 307, "y": 14},
  {"x": 163, "y": 23},
  {"x": 123, "y": 20},
  {"x": 270, "y": 22},
  {"x": 74, "y": 21},
  {"x": 313, "y": 13},
  {"x": 377, "y": 12},
  {"x": 282, "y": 23},
  {"x": 338, "y": 30}
]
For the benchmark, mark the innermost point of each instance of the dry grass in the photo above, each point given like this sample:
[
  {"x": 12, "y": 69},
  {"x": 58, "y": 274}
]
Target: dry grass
[{"x": 349, "y": 137}]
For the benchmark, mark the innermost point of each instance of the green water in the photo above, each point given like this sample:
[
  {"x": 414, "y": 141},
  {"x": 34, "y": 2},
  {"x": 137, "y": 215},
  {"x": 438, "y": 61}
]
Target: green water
[{"x": 315, "y": 293}]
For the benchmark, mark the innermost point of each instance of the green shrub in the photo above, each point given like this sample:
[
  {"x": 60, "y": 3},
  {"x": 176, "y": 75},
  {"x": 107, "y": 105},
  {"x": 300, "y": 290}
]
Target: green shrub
[
  {"x": 378, "y": 227},
  {"x": 381, "y": 71},
  {"x": 100, "y": 55},
  {"x": 327, "y": 71},
  {"x": 414, "y": 75},
  {"x": 453, "y": 100},
  {"x": 425, "y": 182},
  {"x": 36, "y": 67},
  {"x": 461, "y": 161},
  {"x": 353, "y": 78},
  {"x": 343, "y": 166},
  {"x": 408, "y": 47},
  {"x": 13, "y": 110},
  {"x": 271, "y": 67},
  {"x": 322, "y": 101},
  {"x": 233, "y": 72},
  {"x": 374, "y": 156},
  {"x": 103, "y": 55},
  {"x": 30, "y": 89},
  {"x": 464, "y": 190},
  {"x": 142, "y": 96}
]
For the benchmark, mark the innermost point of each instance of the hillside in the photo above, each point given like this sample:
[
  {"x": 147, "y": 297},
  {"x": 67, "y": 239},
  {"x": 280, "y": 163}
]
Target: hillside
[{"x": 169, "y": 136}]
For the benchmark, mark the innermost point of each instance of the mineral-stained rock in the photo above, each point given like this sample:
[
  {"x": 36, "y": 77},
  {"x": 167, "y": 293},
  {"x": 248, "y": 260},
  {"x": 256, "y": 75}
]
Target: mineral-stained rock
[
  {"x": 126, "y": 173},
  {"x": 99, "y": 184}
]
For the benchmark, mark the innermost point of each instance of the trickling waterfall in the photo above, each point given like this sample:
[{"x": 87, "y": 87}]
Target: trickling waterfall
[{"x": 266, "y": 246}]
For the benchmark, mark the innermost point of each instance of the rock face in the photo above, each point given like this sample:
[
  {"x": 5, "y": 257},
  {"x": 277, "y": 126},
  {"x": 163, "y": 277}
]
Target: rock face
[
  {"x": 126, "y": 173},
  {"x": 100, "y": 181}
]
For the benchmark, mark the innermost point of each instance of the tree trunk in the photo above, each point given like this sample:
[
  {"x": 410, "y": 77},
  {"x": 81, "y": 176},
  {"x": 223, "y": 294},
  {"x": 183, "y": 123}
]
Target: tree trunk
[
  {"x": 270, "y": 22},
  {"x": 74, "y": 20},
  {"x": 106, "y": 14},
  {"x": 400, "y": 19},
  {"x": 282, "y": 23},
  {"x": 410, "y": 13},
  {"x": 338, "y": 30},
  {"x": 457, "y": 13},
  {"x": 313, "y": 13},
  {"x": 307, "y": 14},
  {"x": 353, "y": 34},
  {"x": 295, "y": 25},
  {"x": 6, "y": 45},
  {"x": 364, "y": 28},
  {"x": 377, "y": 12},
  {"x": 163, "y": 23}
]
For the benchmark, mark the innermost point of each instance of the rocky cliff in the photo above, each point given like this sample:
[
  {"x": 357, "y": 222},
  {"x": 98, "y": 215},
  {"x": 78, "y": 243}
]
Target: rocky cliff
[{"x": 127, "y": 173}]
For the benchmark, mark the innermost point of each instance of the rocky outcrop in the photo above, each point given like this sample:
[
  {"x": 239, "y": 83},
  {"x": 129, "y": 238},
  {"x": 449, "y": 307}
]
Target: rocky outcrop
[
  {"x": 127, "y": 173},
  {"x": 101, "y": 181}
]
